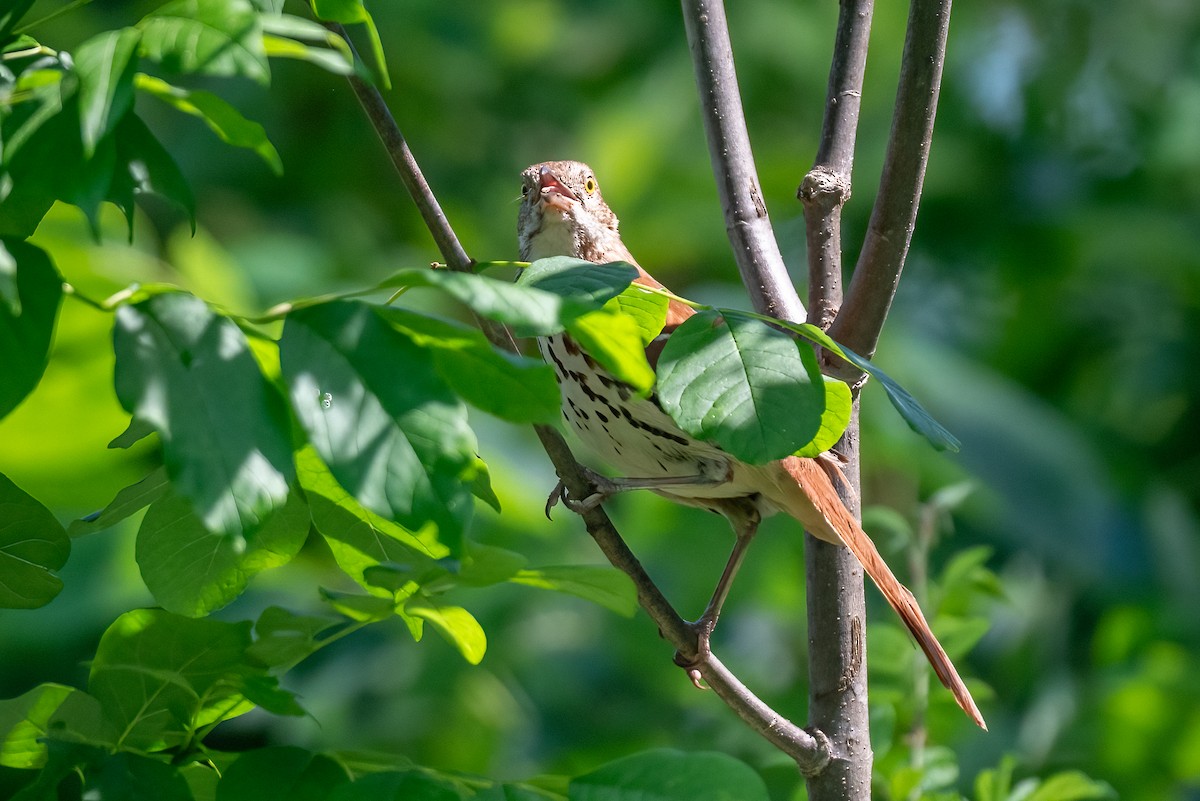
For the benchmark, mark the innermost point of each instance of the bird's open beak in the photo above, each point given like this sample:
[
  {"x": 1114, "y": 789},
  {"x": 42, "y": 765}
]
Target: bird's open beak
[{"x": 553, "y": 192}]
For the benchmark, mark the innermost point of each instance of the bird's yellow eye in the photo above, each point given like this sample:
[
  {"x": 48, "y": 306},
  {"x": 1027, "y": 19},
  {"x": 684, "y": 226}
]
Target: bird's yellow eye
[{"x": 590, "y": 185}]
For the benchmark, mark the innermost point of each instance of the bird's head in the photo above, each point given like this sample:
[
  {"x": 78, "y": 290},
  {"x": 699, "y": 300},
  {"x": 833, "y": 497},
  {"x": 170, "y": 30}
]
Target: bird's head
[{"x": 563, "y": 214}]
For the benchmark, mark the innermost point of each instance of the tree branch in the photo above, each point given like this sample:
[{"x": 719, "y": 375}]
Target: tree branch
[
  {"x": 895, "y": 212},
  {"x": 826, "y": 187},
  {"x": 810, "y": 752},
  {"x": 746, "y": 221},
  {"x": 836, "y": 600}
]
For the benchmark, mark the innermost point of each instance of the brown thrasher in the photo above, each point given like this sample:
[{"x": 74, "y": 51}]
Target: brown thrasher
[{"x": 563, "y": 214}]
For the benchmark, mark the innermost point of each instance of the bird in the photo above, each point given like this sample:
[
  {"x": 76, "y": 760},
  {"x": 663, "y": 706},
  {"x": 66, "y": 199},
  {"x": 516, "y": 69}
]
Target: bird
[{"x": 563, "y": 213}]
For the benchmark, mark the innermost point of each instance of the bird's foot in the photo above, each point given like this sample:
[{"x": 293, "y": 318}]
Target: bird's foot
[
  {"x": 602, "y": 487},
  {"x": 703, "y": 629}
]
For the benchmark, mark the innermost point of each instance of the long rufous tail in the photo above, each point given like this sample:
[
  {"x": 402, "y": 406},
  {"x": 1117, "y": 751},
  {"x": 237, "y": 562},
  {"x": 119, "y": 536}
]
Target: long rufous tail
[{"x": 803, "y": 489}]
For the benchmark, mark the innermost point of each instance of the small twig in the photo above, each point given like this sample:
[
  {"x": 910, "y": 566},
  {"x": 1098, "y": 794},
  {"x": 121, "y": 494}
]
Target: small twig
[
  {"x": 810, "y": 752},
  {"x": 746, "y": 221},
  {"x": 894, "y": 215}
]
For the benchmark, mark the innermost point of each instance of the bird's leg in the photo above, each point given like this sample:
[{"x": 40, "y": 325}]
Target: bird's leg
[
  {"x": 744, "y": 516},
  {"x": 604, "y": 488}
]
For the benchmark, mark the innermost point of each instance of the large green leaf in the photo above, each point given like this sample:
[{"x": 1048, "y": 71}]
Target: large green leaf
[
  {"x": 48, "y": 711},
  {"x": 33, "y": 545},
  {"x": 218, "y": 114},
  {"x": 615, "y": 341},
  {"x": 748, "y": 387},
  {"x": 409, "y": 785},
  {"x": 193, "y": 571},
  {"x": 105, "y": 65},
  {"x": 190, "y": 375},
  {"x": 211, "y": 37},
  {"x": 30, "y": 294},
  {"x": 666, "y": 775},
  {"x": 381, "y": 417},
  {"x": 350, "y": 12},
  {"x": 159, "y": 677},
  {"x": 359, "y": 538},
  {"x": 583, "y": 283},
  {"x": 512, "y": 387},
  {"x": 281, "y": 774}
]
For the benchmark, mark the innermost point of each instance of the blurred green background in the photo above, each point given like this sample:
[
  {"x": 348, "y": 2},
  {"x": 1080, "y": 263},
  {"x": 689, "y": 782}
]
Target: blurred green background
[{"x": 1049, "y": 315}]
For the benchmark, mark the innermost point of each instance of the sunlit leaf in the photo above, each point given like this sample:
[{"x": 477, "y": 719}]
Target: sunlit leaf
[
  {"x": 748, "y": 387},
  {"x": 583, "y": 283},
  {"x": 615, "y": 341},
  {"x": 33, "y": 545},
  {"x": 48, "y": 711},
  {"x": 218, "y": 114},
  {"x": 1071, "y": 786},
  {"x": 606, "y": 586},
  {"x": 193, "y": 571},
  {"x": 358, "y": 538},
  {"x": 401, "y": 447},
  {"x": 669, "y": 774},
  {"x": 455, "y": 624},
  {"x": 351, "y": 12},
  {"x": 189, "y": 373},
  {"x": 648, "y": 310},
  {"x": 28, "y": 312},
  {"x": 161, "y": 676},
  {"x": 211, "y": 37}
]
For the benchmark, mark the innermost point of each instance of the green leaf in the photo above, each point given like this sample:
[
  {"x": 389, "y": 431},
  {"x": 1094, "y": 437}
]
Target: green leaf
[
  {"x": 134, "y": 777},
  {"x": 224, "y": 120},
  {"x": 455, "y": 624},
  {"x": 32, "y": 293},
  {"x": 403, "y": 448},
  {"x": 48, "y": 711},
  {"x": 913, "y": 413},
  {"x": 583, "y": 284},
  {"x": 411, "y": 785},
  {"x": 603, "y": 585},
  {"x": 209, "y": 37},
  {"x": 105, "y": 65},
  {"x": 512, "y": 387},
  {"x": 994, "y": 784},
  {"x": 284, "y": 638},
  {"x": 145, "y": 167},
  {"x": 752, "y": 389},
  {"x": 358, "y": 538},
  {"x": 669, "y": 774},
  {"x": 193, "y": 571},
  {"x": 160, "y": 676},
  {"x": 835, "y": 417},
  {"x": 1071, "y": 786},
  {"x": 350, "y": 12},
  {"x": 647, "y": 309},
  {"x": 32, "y": 545},
  {"x": 284, "y": 36},
  {"x": 225, "y": 435},
  {"x": 487, "y": 565},
  {"x": 531, "y": 311},
  {"x": 128, "y": 501},
  {"x": 10, "y": 17},
  {"x": 481, "y": 485},
  {"x": 363, "y": 608},
  {"x": 615, "y": 341},
  {"x": 281, "y": 774}
]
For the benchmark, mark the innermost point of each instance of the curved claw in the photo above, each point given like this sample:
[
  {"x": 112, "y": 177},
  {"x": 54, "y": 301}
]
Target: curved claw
[{"x": 559, "y": 493}]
